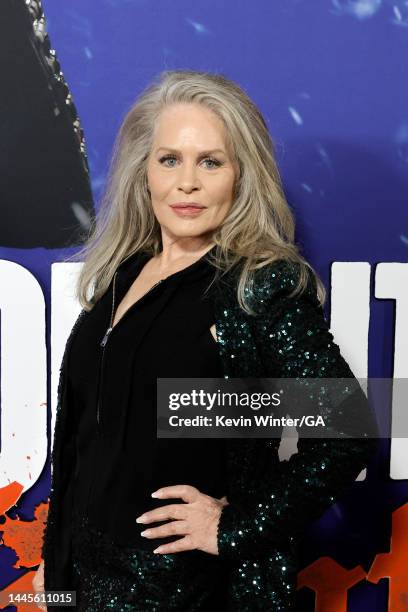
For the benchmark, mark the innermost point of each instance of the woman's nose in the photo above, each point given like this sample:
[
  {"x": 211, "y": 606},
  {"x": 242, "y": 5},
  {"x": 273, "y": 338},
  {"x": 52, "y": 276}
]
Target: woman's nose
[{"x": 188, "y": 178}]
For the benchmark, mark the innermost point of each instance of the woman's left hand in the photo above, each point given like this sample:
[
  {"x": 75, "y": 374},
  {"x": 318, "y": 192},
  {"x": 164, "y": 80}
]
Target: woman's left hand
[{"x": 197, "y": 520}]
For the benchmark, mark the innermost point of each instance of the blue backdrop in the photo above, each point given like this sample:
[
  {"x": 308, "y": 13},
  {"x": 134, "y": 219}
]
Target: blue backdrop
[{"x": 330, "y": 78}]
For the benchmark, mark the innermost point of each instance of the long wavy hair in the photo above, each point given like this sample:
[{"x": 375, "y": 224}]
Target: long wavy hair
[{"x": 259, "y": 227}]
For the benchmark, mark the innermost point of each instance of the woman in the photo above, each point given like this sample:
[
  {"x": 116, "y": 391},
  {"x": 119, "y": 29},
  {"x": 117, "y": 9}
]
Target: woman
[{"x": 193, "y": 259}]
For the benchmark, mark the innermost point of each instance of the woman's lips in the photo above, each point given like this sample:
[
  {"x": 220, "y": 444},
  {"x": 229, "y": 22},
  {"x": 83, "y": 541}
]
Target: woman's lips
[{"x": 187, "y": 211}]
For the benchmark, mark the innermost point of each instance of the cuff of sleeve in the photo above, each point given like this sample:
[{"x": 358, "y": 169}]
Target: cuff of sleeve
[
  {"x": 227, "y": 547},
  {"x": 240, "y": 536}
]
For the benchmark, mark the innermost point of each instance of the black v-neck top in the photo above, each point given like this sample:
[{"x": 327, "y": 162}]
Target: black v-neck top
[{"x": 166, "y": 333}]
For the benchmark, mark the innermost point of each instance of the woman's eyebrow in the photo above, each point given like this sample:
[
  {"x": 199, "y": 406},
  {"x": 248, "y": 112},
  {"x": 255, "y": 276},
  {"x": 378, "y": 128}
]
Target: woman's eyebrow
[{"x": 207, "y": 152}]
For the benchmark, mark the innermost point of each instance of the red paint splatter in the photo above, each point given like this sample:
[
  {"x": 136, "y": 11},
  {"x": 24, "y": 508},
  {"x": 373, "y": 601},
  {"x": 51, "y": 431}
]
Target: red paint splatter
[
  {"x": 26, "y": 537},
  {"x": 9, "y": 495}
]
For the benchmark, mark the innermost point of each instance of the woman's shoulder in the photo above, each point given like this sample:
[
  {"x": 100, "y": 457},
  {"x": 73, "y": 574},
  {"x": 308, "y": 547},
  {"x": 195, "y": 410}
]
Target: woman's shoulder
[
  {"x": 281, "y": 280},
  {"x": 273, "y": 283},
  {"x": 278, "y": 274}
]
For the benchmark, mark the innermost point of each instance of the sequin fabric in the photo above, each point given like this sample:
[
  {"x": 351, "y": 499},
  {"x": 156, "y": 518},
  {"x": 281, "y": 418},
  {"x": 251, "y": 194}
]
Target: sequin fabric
[
  {"x": 109, "y": 577},
  {"x": 270, "y": 502}
]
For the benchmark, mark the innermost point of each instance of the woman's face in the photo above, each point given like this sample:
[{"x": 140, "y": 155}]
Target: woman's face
[{"x": 189, "y": 164}]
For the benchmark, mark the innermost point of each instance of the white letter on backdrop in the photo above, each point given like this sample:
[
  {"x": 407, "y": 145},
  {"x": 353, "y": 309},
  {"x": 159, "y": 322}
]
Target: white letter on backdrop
[
  {"x": 350, "y": 317},
  {"x": 391, "y": 282},
  {"x": 64, "y": 312},
  {"x": 23, "y": 377}
]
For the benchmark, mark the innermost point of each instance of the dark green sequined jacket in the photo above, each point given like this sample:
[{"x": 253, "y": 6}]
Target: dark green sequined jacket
[{"x": 271, "y": 502}]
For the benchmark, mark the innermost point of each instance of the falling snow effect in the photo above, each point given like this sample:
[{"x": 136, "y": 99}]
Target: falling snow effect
[
  {"x": 198, "y": 27},
  {"x": 295, "y": 115},
  {"x": 360, "y": 9},
  {"x": 401, "y": 142}
]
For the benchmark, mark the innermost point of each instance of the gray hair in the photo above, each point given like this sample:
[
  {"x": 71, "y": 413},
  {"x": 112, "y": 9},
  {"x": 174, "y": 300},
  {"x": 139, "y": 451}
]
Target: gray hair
[{"x": 259, "y": 227}]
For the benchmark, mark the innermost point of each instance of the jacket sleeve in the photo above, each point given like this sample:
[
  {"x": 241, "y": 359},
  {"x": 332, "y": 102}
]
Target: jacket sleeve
[
  {"x": 294, "y": 340},
  {"x": 56, "y": 547}
]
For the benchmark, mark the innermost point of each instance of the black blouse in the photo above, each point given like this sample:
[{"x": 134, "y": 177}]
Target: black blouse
[{"x": 120, "y": 461}]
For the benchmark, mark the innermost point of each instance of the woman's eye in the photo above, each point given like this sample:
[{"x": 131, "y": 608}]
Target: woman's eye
[
  {"x": 213, "y": 162},
  {"x": 167, "y": 158}
]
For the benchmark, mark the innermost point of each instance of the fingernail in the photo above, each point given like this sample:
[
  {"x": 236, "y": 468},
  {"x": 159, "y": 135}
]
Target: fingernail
[
  {"x": 157, "y": 550},
  {"x": 156, "y": 494},
  {"x": 141, "y": 518},
  {"x": 145, "y": 532}
]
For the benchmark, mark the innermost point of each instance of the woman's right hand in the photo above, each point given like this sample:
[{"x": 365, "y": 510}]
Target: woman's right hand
[{"x": 38, "y": 584}]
